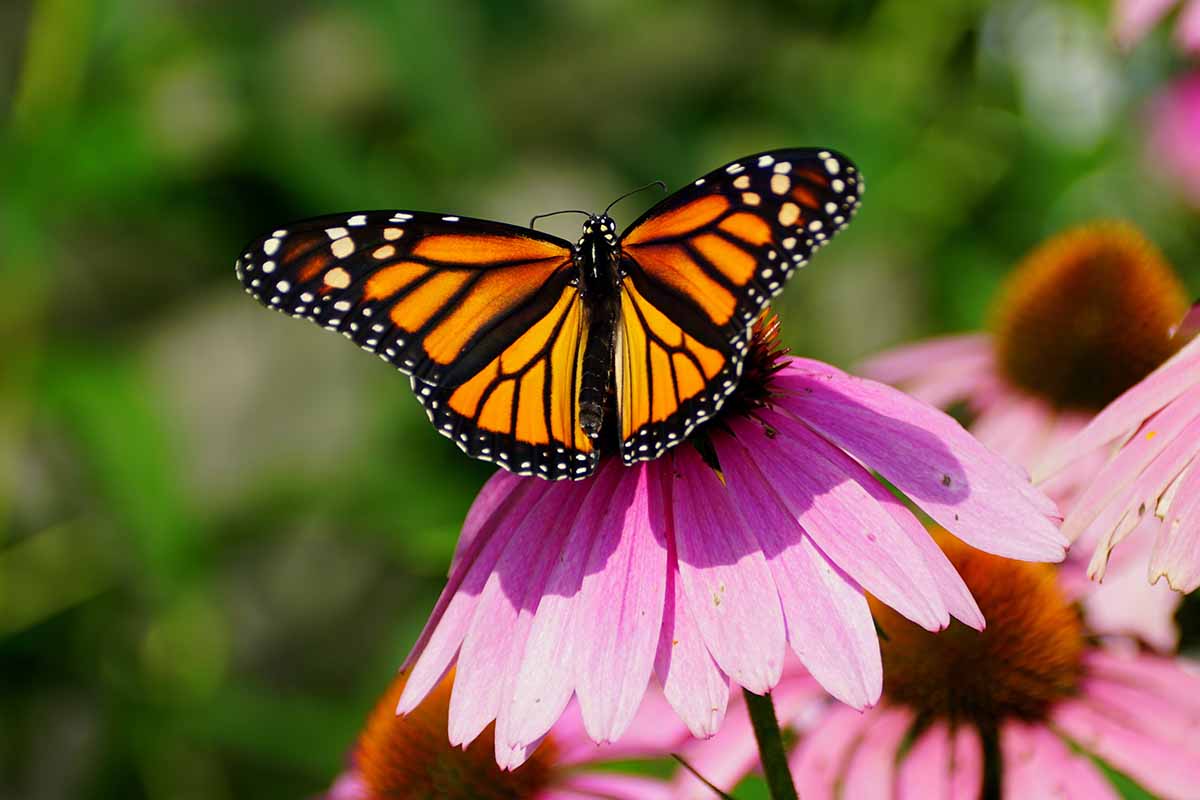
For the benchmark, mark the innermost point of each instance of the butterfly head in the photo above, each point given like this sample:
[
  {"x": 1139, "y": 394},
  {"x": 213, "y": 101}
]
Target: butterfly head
[{"x": 599, "y": 226}]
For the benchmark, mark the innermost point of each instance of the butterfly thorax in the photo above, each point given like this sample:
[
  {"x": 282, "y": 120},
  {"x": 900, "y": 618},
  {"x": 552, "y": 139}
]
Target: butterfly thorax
[{"x": 596, "y": 258}]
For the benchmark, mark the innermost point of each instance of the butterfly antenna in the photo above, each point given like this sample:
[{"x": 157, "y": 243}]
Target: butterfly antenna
[
  {"x": 659, "y": 184},
  {"x": 536, "y": 217}
]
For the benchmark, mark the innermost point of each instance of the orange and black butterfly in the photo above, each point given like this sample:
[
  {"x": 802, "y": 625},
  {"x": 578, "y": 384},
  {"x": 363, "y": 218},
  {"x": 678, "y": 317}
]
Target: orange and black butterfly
[{"x": 515, "y": 340}]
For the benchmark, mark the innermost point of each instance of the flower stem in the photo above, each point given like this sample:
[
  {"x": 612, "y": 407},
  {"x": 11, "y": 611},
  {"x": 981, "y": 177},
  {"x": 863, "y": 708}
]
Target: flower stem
[{"x": 770, "y": 746}]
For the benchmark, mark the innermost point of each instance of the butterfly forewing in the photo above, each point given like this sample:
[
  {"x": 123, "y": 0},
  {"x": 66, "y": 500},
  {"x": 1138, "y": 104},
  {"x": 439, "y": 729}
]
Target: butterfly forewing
[
  {"x": 482, "y": 315},
  {"x": 700, "y": 266}
]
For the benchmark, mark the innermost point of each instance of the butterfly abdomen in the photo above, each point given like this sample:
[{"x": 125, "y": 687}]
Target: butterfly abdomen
[{"x": 597, "y": 365}]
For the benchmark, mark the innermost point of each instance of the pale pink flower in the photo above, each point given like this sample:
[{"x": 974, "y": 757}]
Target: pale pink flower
[
  {"x": 1048, "y": 367},
  {"x": 703, "y": 579},
  {"x": 1151, "y": 486},
  {"x": 1133, "y": 19},
  {"x": 1034, "y": 686},
  {"x": 398, "y": 757},
  {"x": 1174, "y": 130}
]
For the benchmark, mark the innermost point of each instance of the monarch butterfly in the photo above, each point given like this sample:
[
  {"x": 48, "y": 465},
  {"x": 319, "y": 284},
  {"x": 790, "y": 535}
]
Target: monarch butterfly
[{"x": 524, "y": 348}]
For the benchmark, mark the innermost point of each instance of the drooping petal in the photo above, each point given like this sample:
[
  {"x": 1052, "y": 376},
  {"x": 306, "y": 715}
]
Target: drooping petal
[
  {"x": 545, "y": 679},
  {"x": 1162, "y": 766},
  {"x": 816, "y": 482},
  {"x": 1176, "y": 553},
  {"x": 818, "y": 762},
  {"x": 1037, "y": 764},
  {"x": 502, "y": 493},
  {"x": 938, "y": 371},
  {"x": 1163, "y": 436},
  {"x": 829, "y": 624},
  {"x": 620, "y": 607},
  {"x": 941, "y": 767},
  {"x": 872, "y": 770},
  {"x": 692, "y": 683},
  {"x": 965, "y": 487},
  {"x": 443, "y": 634},
  {"x": 495, "y": 640},
  {"x": 1125, "y": 414},
  {"x": 725, "y": 578}
]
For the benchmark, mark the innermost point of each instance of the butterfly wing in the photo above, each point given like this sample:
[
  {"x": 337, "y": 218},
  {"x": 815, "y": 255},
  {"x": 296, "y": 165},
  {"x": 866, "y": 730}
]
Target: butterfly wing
[
  {"x": 698, "y": 269},
  {"x": 482, "y": 315}
]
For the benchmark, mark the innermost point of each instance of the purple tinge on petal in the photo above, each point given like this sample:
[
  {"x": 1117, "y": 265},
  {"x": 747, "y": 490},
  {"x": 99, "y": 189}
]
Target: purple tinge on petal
[
  {"x": 495, "y": 639},
  {"x": 823, "y": 490},
  {"x": 942, "y": 767},
  {"x": 1176, "y": 553},
  {"x": 1161, "y": 439},
  {"x": 443, "y": 634},
  {"x": 692, "y": 683},
  {"x": 872, "y": 769},
  {"x": 620, "y": 606},
  {"x": 829, "y": 624},
  {"x": 818, "y": 762},
  {"x": 725, "y": 577},
  {"x": 1124, "y": 415},
  {"x": 1133, "y": 19},
  {"x": 965, "y": 487},
  {"x": 544, "y": 679},
  {"x": 1038, "y": 764}
]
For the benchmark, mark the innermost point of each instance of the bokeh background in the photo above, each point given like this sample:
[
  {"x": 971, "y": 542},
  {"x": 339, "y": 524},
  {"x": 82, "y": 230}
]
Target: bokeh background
[{"x": 220, "y": 528}]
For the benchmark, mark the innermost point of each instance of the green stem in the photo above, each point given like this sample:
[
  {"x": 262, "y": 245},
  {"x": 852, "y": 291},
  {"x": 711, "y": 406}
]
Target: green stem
[{"x": 770, "y": 746}]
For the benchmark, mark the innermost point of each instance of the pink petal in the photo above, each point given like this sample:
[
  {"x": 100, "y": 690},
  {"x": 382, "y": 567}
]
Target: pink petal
[
  {"x": 1126, "y": 604},
  {"x": 871, "y": 772},
  {"x": 726, "y": 579},
  {"x": 829, "y": 624},
  {"x": 443, "y": 634},
  {"x": 1147, "y": 462},
  {"x": 1038, "y": 764},
  {"x": 823, "y": 489},
  {"x": 1177, "y": 552},
  {"x": 966, "y": 488},
  {"x": 691, "y": 681},
  {"x": 613, "y": 786},
  {"x": 655, "y": 730},
  {"x": 348, "y": 786},
  {"x": 1016, "y": 429},
  {"x": 620, "y": 607},
  {"x": 1133, "y": 19},
  {"x": 1187, "y": 29},
  {"x": 1123, "y": 415},
  {"x": 1179, "y": 681},
  {"x": 499, "y": 496},
  {"x": 723, "y": 760},
  {"x": 545, "y": 679},
  {"x": 1161, "y": 766},
  {"x": 941, "y": 768},
  {"x": 818, "y": 763},
  {"x": 938, "y": 371},
  {"x": 495, "y": 640}
]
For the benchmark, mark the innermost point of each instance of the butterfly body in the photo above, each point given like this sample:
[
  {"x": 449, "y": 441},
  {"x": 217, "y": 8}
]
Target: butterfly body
[
  {"x": 528, "y": 350},
  {"x": 597, "y": 257}
]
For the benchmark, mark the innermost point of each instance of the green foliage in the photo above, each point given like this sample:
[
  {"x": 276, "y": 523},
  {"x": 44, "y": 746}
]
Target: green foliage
[{"x": 222, "y": 529}]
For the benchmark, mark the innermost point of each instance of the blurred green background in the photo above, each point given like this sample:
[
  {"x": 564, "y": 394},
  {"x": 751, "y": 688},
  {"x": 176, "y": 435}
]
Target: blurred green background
[{"x": 222, "y": 528}]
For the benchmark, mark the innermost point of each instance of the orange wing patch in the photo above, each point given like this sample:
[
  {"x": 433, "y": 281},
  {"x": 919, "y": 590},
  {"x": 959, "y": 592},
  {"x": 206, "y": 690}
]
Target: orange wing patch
[
  {"x": 660, "y": 366},
  {"x": 484, "y": 249},
  {"x": 680, "y": 221},
  {"x": 509, "y": 397},
  {"x": 672, "y": 265}
]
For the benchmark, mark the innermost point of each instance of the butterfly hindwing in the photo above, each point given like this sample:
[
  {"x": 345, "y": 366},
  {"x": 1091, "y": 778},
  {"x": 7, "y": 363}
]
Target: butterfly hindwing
[
  {"x": 698, "y": 269},
  {"x": 482, "y": 315}
]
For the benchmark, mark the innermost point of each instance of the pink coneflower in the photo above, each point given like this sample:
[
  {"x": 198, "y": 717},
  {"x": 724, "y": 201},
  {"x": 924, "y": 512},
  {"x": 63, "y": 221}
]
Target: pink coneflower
[
  {"x": 408, "y": 758},
  {"x": 1152, "y": 485},
  {"x": 701, "y": 568},
  {"x": 1085, "y": 316},
  {"x": 1133, "y": 19},
  {"x": 1019, "y": 710},
  {"x": 1174, "y": 130}
]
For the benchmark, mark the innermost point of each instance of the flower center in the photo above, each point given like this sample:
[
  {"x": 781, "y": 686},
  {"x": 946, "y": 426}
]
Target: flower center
[
  {"x": 410, "y": 757},
  {"x": 1088, "y": 314},
  {"x": 765, "y": 355},
  {"x": 1028, "y": 657}
]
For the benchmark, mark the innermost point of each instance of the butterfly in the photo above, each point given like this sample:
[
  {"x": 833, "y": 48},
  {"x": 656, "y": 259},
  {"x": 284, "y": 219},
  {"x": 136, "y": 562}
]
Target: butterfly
[{"x": 524, "y": 348}]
